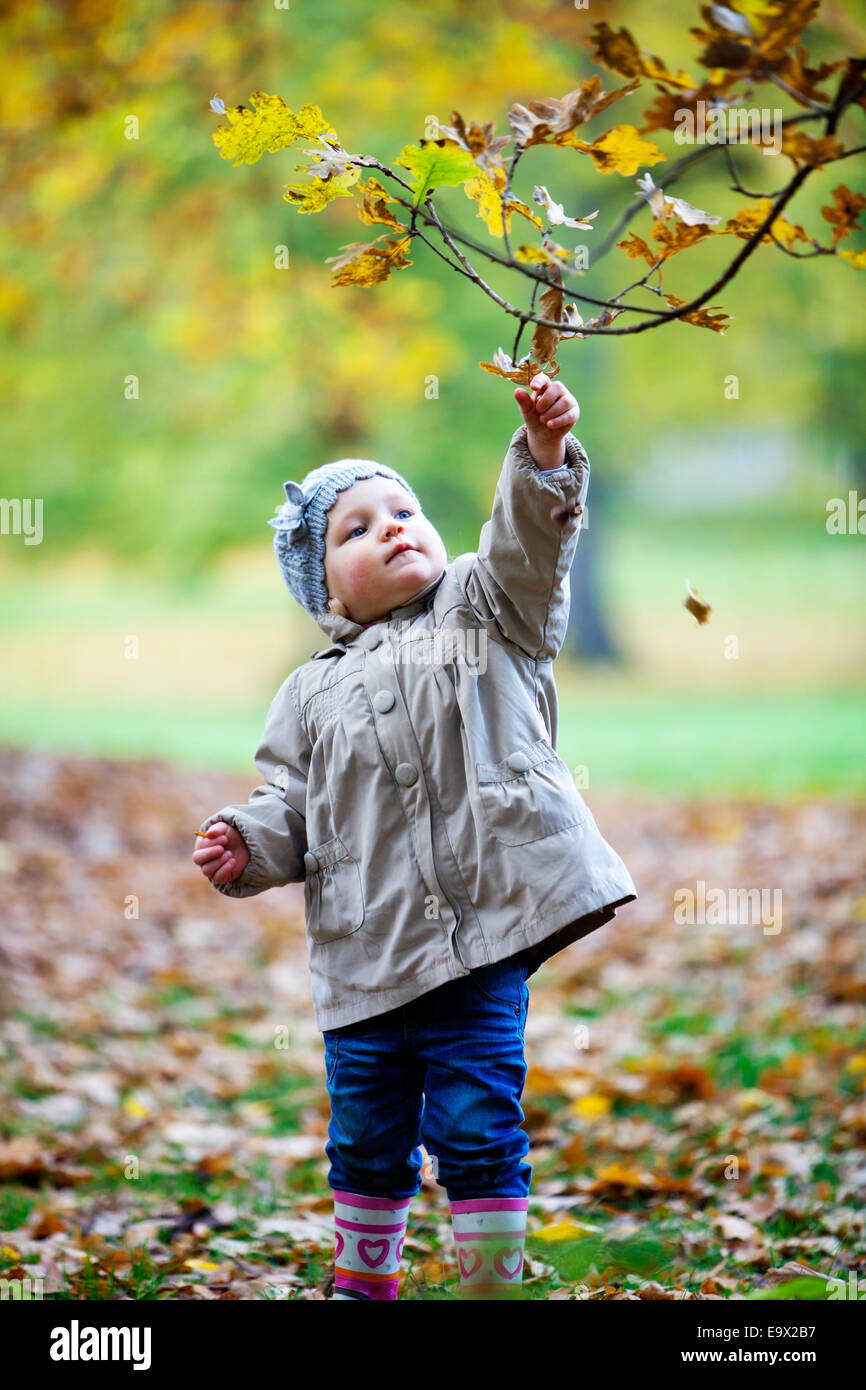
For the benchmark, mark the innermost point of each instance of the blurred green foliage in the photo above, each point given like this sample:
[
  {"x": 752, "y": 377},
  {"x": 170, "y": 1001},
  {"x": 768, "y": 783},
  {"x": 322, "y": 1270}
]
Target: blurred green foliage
[{"x": 154, "y": 258}]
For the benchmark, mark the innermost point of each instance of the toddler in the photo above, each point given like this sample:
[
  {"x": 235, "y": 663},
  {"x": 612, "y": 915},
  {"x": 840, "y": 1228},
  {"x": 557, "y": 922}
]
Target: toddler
[{"x": 410, "y": 779}]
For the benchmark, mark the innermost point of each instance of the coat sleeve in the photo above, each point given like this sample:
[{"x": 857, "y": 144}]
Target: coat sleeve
[
  {"x": 518, "y": 585},
  {"x": 273, "y": 820}
]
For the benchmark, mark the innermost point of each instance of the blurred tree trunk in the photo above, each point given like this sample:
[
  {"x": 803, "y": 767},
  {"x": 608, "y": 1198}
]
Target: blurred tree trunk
[{"x": 589, "y": 636}]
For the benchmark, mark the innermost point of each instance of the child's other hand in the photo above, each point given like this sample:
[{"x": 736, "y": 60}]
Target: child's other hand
[{"x": 222, "y": 855}]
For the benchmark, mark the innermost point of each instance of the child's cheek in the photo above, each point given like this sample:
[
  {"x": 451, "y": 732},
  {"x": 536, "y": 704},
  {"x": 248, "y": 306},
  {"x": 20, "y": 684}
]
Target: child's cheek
[{"x": 358, "y": 574}]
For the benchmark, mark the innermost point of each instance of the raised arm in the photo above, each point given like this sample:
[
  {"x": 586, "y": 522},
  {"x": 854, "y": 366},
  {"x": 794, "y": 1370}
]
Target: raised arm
[
  {"x": 518, "y": 585},
  {"x": 273, "y": 820}
]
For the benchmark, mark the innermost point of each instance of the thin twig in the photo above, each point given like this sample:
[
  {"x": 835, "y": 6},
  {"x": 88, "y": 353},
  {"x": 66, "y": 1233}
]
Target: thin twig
[
  {"x": 653, "y": 317},
  {"x": 803, "y": 255}
]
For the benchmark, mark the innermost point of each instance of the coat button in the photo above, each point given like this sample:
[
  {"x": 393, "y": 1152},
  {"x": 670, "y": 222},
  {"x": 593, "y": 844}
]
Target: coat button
[
  {"x": 311, "y": 863},
  {"x": 406, "y": 774},
  {"x": 383, "y": 700},
  {"x": 518, "y": 762},
  {"x": 371, "y": 639}
]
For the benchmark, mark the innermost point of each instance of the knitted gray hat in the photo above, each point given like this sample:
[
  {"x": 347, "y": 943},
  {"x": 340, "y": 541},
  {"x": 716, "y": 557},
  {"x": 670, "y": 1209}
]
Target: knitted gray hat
[{"x": 301, "y": 522}]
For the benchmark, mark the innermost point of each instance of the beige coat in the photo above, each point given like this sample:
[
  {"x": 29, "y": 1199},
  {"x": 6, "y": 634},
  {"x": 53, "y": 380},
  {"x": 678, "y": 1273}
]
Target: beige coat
[{"x": 410, "y": 778}]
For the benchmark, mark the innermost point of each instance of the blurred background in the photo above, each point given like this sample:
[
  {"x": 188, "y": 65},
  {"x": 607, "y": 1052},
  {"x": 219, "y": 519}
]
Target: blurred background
[
  {"x": 152, "y": 619},
  {"x": 164, "y": 1104}
]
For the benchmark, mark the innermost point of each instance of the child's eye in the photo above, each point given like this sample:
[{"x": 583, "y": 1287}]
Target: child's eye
[{"x": 407, "y": 511}]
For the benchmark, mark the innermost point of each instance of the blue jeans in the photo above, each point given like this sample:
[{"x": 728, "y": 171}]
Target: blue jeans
[{"x": 446, "y": 1070}]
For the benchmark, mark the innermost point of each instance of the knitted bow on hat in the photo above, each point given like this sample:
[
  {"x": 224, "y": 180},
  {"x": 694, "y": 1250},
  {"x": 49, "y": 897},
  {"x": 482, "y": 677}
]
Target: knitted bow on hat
[{"x": 291, "y": 515}]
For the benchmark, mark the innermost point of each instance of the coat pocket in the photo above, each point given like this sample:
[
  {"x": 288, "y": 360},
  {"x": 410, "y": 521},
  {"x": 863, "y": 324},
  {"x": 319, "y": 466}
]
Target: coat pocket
[
  {"x": 528, "y": 795},
  {"x": 333, "y": 892}
]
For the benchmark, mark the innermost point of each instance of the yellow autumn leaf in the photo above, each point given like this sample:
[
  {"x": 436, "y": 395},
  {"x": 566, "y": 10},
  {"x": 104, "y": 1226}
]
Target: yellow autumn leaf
[
  {"x": 677, "y": 236},
  {"x": 272, "y": 126},
  {"x": 366, "y": 264},
  {"x": 855, "y": 258},
  {"x": 752, "y": 1098},
  {"x": 549, "y": 254},
  {"x": 635, "y": 248},
  {"x": 522, "y": 373},
  {"x": 135, "y": 1108},
  {"x": 315, "y": 195},
  {"x": 374, "y": 209},
  {"x": 200, "y": 1264},
  {"x": 562, "y": 1230},
  {"x": 8, "y": 1252},
  {"x": 620, "y": 151},
  {"x": 746, "y": 222},
  {"x": 621, "y": 53},
  {"x": 807, "y": 149},
  {"x": 856, "y": 1063},
  {"x": 590, "y": 1106},
  {"x": 843, "y": 217},
  {"x": 702, "y": 318},
  {"x": 487, "y": 189}
]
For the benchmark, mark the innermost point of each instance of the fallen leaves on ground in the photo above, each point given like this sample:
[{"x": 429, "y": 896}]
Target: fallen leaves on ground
[{"x": 695, "y": 1097}]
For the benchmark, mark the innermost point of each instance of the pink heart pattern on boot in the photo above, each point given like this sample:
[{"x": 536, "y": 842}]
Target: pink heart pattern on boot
[
  {"x": 338, "y": 1250},
  {"x": 501, "y": 1259},
  {"x": 463, "y": 1259},
  {"x": 365, "y": 1244}
]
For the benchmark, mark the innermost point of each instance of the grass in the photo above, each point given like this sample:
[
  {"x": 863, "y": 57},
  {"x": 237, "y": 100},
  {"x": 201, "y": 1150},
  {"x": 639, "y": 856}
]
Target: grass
[{"x": 781, "y": 715}]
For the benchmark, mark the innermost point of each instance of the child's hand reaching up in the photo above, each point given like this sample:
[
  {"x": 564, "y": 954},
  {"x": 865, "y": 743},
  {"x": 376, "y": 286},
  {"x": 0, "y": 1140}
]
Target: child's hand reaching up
[
  {"x": 223, "y": 856},
  {"x": 548, "y": 416}
]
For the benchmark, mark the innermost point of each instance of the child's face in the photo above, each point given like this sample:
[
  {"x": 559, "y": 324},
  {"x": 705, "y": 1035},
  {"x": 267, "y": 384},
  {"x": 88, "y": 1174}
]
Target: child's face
[{"x": 365, "y": 525}]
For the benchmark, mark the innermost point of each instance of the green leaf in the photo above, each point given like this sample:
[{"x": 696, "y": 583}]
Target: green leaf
[{"x": 435, "y": 165}]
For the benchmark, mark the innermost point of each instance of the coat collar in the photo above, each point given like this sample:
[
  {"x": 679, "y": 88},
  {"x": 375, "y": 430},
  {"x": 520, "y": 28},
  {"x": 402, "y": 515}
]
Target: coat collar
[{"x": 343, "y": 631}]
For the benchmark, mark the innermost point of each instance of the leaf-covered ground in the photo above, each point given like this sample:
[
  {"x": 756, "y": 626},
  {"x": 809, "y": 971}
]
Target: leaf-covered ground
[{"x": 696, "y": 1097}]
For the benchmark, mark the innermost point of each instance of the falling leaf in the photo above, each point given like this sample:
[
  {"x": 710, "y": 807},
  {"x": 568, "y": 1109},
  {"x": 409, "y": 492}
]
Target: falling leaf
[
  {"x": 620, "y": 151},
  {"x": 696, "y": 605},
  {"x": 843, "y": 217},
  {"x": 272, "y": 126},
  {"x": 434, "y": 165}
]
